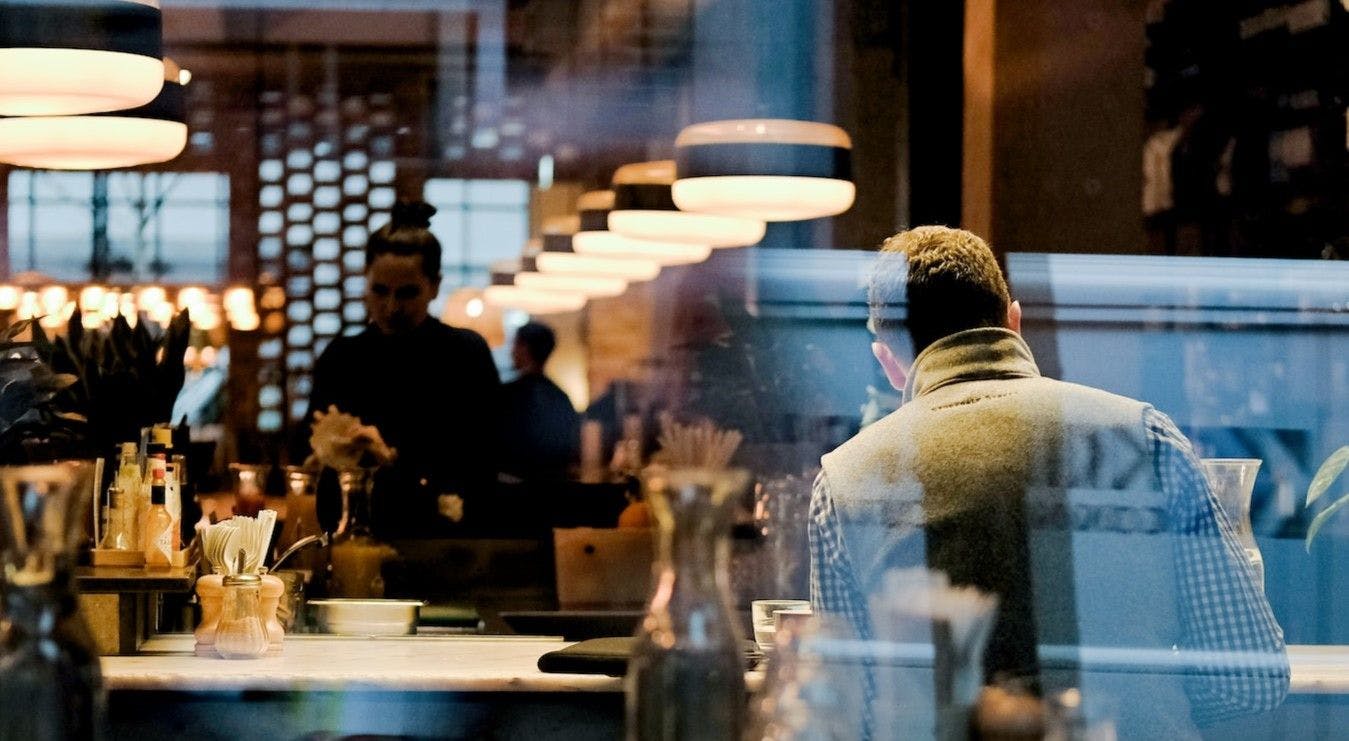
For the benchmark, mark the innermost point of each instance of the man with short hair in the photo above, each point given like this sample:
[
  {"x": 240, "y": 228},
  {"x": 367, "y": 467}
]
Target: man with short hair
[
  {"x": 540, "y": 427},
  {"x": 1086, "y": 513}
]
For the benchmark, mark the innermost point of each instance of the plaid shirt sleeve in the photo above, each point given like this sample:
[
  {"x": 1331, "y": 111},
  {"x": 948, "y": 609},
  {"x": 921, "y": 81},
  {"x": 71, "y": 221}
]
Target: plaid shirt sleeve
[
  {"x": 833, "y": 581},
  {"x": 1225, "y": 617}
]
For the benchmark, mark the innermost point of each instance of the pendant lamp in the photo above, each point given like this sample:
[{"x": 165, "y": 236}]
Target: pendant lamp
[
  {"x": 643, "y": 208},
  {"x": 155, "y": 132},
  {"x": 590, "y": 286},
  {"x": 560, "y": 256},
  {"x": 594, "y": 237},
  {"x": 68, "y": 57},
  {"x": 504, "y": 293},
  {"x": 769, "y": 169}
]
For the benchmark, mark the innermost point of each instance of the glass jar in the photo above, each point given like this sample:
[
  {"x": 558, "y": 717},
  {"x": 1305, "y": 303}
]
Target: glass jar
[
  {"x": 686, "y": 676},
  {"x": 241, "y": 634},
  {"x": 357, "y": 558}
]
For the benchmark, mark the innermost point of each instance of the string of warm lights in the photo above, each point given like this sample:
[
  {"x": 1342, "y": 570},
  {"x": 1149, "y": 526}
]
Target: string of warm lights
[{"x": 54, "y": 304}]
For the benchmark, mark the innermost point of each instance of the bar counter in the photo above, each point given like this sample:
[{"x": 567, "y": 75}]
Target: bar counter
[
  {"x": 464, "y": 663},
  {"x": 473, "y": 686}
]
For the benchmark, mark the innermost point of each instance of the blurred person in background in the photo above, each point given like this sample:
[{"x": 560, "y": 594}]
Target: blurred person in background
[
  {"x": 425, "y": 393},
  {"x": 540, "y": 429}
]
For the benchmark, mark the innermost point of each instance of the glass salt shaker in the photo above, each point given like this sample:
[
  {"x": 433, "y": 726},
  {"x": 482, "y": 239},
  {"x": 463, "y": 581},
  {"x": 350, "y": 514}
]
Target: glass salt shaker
[{"x": 241, "y": 634}]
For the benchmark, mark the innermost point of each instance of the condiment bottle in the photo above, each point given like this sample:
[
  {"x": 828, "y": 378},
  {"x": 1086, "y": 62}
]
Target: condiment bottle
[
  {"x": 160, "y": 535},
  {"x": 240, "y": 634}
]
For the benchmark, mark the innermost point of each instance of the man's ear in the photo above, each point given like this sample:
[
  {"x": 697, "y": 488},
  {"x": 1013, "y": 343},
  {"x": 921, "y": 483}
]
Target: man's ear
[
  {"x": 894, "y": 370},
  {"x": 1014, "y": 316}
]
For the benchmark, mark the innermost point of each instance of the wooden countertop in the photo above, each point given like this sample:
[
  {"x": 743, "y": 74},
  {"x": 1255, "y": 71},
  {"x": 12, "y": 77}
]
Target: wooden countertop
[
  {"x": 122, "y": 579},
  {"x": 463, "y": 664}
]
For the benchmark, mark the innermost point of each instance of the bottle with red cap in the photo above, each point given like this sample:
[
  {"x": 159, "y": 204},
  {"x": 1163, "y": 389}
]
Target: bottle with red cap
[{"x": 161, "y": 537}]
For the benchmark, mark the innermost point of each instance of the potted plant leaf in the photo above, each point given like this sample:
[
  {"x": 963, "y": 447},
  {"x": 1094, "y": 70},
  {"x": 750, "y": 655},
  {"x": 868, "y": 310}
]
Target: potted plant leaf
[
  {"x": 1325, "y": 476},
  {"x": 37, "y": 422},
  {"x": 127, "y": 378}
]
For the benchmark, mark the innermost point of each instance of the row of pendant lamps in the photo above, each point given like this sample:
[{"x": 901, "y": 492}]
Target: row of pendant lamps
[
  {"x": 727, "y": 180},
  {"x": 85, "y": 86}
]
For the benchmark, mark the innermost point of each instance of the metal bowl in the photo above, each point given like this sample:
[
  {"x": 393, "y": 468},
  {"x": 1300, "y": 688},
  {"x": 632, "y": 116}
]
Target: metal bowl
[{"x": 366, "y": 617}]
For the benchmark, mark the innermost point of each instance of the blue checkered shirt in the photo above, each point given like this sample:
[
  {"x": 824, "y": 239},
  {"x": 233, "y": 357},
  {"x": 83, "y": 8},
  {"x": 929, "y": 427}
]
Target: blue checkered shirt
[{"x": 1225, "y": 617}]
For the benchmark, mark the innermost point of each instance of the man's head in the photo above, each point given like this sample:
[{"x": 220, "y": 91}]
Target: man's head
[
  {"x": 402, "y": 268},
  {"x": 533, "y": 344},
  {"x": 949, "y": 280}
]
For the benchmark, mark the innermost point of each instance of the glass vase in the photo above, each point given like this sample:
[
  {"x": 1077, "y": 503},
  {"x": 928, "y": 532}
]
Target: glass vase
[
  {"x": 1233, "y": 482},
  {"x": 50, "y": 685},
  {"x": 250, "y": 484},
  {"x": 686, "y": 675},
  {"x": 357, "y": 558}
]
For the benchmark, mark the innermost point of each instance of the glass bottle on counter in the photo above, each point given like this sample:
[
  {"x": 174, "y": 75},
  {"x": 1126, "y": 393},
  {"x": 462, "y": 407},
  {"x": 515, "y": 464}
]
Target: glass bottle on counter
[
  {"x": 161, "y": 537},
  {"x": 357, "y": 558},
  {"x": 120, "y": 534},
  {"x": 161, "y": 447},
  {"x": 129, "y": 480},
  {"x": 686, "y": 676}
]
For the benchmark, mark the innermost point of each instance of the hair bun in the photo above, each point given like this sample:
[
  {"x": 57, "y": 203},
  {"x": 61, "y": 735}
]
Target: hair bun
[{"x": 415, "y": 214}]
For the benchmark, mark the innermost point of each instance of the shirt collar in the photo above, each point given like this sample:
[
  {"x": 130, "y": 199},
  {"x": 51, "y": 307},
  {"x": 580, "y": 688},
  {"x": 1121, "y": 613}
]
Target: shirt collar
[{"x": 984, "y": 354}]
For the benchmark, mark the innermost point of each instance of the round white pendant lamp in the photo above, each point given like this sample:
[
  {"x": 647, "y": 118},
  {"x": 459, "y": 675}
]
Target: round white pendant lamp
[
  {"x": 643, "y": 208},
  {"x": 505, "y": 294},
  {"x": 155, "y": 132},
  {"x": 594, "y": 238},
  {"x": 590, "y": 286},
  {"x": 65, "y": 58},
  {"x": 560, "y": 256},
  {"x": 769, "y": 169}
]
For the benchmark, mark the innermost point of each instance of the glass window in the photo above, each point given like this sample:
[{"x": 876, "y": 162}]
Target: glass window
[{"x": 173, "y": 226}]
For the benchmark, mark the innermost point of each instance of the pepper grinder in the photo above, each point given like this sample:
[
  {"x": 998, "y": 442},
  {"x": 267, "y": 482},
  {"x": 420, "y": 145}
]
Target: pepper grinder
[
  {"x": 210, "y": 593},
  {"x": 271, "y": 590}
]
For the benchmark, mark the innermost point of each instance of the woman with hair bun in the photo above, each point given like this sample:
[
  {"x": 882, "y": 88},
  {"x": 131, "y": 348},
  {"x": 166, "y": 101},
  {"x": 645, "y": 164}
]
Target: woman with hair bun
[{"x": 425, "y": 393}]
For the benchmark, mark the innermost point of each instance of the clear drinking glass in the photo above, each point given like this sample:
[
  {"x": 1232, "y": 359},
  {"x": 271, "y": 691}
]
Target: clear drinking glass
[
  {"x": 686, "y": 675},
  {"x": 1233, "y": 481},
  {"x": 762, "y": 617},
  {"x": 241, "y": 634}
]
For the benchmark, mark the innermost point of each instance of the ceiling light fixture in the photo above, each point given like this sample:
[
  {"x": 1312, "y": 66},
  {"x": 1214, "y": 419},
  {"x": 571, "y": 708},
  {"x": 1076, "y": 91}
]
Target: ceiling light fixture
[
  {"x": 769, "y": 169},
  {"x": 70, "y": 58},
  {"x": 643, "y": 208},
  {"x": 504, "y": 293},
  {"x": 155, "y": 132},
  {"x": 560, "y": 256},
  {"x": 594, "y": 238}
]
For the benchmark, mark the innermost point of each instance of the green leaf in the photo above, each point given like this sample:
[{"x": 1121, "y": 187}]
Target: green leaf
[
  {"x": 15, "y": 329},
  {"x": 1322, "y": 518},
  {"x": 1326, "y": 474},
  {"x": 39, "y": 336}
]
